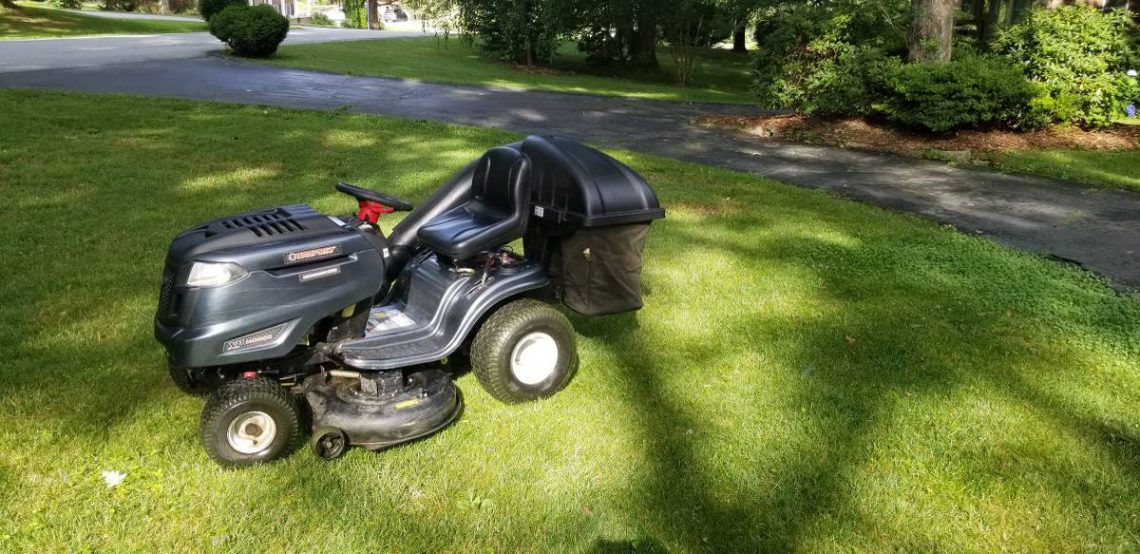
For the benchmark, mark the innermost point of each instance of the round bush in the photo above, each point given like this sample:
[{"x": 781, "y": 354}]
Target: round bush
[
  {"x": 969, "y": 92},
  {"x": 66, "y": 4},
  {"x": 250, "y": 32},
  {"x": 210, "y": 8},
  {"x": 1079, "y": 55}
]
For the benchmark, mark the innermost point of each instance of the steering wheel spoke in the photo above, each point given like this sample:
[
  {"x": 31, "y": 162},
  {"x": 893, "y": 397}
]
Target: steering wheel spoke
[{"x": 373, "y": 203}]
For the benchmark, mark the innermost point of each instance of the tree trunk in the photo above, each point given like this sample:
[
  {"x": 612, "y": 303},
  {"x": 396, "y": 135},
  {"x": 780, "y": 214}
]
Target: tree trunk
[
  {"x": 644, "y": 55},
  {"x": 993, "y": 17},
  {"x": 740, "y": 40},
  {"x": 932, "y": 36},
  {"x": 1018, "y": 11},
  {"x": 978, "y": 9},
  {"x": 373, "y": 8}
]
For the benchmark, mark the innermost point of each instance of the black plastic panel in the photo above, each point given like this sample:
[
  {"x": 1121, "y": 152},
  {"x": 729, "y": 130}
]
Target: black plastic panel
[{"x": 442, "y": 306}]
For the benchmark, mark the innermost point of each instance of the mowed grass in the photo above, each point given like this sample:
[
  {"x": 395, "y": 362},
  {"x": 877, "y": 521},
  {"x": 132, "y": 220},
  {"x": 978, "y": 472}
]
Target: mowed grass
[
  {"x": 721, "y": 76},
  {"x": 30, "y": 22},
  {"x": 1111, "y": 169},
  {"x": 808, "y": 373}
]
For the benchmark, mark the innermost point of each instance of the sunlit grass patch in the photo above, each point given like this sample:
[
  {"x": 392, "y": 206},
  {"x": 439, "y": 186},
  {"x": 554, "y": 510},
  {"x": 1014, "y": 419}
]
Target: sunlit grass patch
[
  {"x": 34, "y": 22},
  {"x": 721, "y": 76},
  {"x": 808, "y": 373},
  {"x": 1113, "y": 169}
]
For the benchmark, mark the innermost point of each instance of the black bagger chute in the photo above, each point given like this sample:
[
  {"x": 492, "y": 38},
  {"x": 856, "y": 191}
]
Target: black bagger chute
[{"x": 590, "y": 215}]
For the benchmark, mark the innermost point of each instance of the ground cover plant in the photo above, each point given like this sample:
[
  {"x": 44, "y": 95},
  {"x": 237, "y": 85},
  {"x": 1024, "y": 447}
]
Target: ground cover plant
[
  {"x": 1113, "y": 169},
  {"x": 720, "y": 76},
  {"x": 1102, "y": 157},
  {"x": 808, "y": 373},
  {"x": 30, "y": 22}
]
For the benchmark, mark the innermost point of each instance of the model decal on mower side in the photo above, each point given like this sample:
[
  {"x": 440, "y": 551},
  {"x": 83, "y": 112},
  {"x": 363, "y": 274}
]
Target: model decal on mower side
[
  {"x": 312, "y": 254},
  {"x": 257, "y": 338}
]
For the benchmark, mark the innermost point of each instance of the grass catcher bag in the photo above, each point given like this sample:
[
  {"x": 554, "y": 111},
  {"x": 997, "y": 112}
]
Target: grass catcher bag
[
  {"x": 588, "y": 220},
  {"x": 601, "y": 269}
]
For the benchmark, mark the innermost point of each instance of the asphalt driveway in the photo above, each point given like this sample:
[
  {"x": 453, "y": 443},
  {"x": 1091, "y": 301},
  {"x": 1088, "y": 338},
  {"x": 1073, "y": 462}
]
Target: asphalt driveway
[{"x": 1095, "y": 228}]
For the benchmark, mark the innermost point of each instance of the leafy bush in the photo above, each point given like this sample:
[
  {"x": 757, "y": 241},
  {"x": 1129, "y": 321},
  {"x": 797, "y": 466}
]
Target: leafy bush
[
  {"x": 828, "y": 57},
  {"x": 320, "y": 19},
  {"x": 209, "y": 8},
  {"x": 1079, "y": 55},
  {"x": 519, "y": 32},
  {"x": 355, "y": 14},
  {"x": 968, "y": 92},
  {"x": 122, "y": 5},
  {"x": 250, "y": 32},
  {"x": 66, "y": 4}
]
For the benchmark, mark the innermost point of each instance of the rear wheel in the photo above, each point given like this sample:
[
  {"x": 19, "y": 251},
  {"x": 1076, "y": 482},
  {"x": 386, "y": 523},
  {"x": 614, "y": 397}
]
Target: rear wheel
[
  {"x": 250, "y": 421},
  {"x": 524, "y": 351}
]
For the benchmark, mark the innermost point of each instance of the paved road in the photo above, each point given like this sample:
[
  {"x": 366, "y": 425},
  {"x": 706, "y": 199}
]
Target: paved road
[
  {"x": 1098, "y": 229},
  {"x": 38, "y": 54}
]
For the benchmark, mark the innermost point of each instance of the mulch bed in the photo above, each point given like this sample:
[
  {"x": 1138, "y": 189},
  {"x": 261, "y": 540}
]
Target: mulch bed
[{"x": 957, "y": 145}]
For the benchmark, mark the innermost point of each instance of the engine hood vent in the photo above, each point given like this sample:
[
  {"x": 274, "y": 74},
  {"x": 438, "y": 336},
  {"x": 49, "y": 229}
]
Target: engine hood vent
[{"x": 263, "y": 224}]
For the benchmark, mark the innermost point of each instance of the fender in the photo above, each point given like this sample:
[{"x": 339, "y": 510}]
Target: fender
[{"x": 439, "y": 313}]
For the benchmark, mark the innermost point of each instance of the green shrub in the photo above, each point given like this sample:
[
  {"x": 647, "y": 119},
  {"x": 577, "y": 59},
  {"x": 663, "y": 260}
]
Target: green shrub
[
  {"x": 208, "y": 8},
  {"x": 66, "y": 4},
  {"x": 972, "y": 91},
  {"x": 250, "y": 32},
  {"x": 1079, "y": 56},
  {"x": 321, "y": 20},
  {"x": 827, "y": 57},
  {"x": 518, "y": 32},
  {"x": 355, "y": 14}
]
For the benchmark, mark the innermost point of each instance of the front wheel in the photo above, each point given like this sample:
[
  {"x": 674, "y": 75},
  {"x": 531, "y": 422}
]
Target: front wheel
[
  {"x": 250, "y": 421},
  {"x": 524, "y": 351}
]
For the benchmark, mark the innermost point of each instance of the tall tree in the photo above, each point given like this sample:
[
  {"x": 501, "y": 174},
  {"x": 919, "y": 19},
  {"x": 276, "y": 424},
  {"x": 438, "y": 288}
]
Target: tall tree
[
  {"x": 932, "y": 34},
  {"x": 643, "y": 52},
  {"x": 993, "y": 19},
  {"x": 1018, "y": 10},
  {"x": 740, "y": 39}
]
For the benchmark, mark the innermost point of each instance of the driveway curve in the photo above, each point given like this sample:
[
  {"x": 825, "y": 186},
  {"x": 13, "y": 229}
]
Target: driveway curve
[{"x": 1095, "y": 228}]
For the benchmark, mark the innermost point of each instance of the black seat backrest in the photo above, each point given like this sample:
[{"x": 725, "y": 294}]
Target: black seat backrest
[
  {"x": 496, "y": 212},
  {"x": 499, "y": 186}
]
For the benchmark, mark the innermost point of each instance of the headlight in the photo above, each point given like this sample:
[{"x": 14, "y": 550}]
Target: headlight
[{"x": 206, "y": 274}]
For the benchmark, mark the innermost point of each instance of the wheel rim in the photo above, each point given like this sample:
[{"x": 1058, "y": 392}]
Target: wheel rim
[
  {"x": 251, "y": 432},
  {"x": 331, "y": 445},
  {"x": 534, "y": 358}
]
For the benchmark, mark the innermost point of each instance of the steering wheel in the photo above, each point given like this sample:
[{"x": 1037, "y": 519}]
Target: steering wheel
[{"x": 364, "y": 196}]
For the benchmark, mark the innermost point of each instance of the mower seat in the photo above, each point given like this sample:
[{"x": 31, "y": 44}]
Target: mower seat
[{"x": 495, "y": 214}]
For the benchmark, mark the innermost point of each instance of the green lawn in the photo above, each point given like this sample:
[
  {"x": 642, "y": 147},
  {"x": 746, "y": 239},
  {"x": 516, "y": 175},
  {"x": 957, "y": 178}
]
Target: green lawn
[
  {"x": 1111, "y": 169},
  {"x": 29, "y": 22},
  {"x": 721, "y": 75},
  {"x": 808, "y": 373}
]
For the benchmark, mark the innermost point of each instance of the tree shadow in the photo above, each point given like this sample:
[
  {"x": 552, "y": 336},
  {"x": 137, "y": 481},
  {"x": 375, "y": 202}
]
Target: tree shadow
[
  {"x": 852, "y": 392},
  {"x": 77, "y": 305}
]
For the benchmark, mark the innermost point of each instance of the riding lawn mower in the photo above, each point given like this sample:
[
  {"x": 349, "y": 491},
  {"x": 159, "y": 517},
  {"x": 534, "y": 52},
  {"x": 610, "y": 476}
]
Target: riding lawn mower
[{"x": 292, "y": 320}]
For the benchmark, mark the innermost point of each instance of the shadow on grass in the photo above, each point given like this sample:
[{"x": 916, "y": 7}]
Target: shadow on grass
[
  {"x": 785, "y": 388},
  {"x": 88, "y": 237},
  {"x": 850, "y": 400}
]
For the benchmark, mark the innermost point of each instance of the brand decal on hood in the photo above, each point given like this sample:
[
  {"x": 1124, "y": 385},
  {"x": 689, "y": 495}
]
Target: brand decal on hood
[{"x": 312, "y": 254}]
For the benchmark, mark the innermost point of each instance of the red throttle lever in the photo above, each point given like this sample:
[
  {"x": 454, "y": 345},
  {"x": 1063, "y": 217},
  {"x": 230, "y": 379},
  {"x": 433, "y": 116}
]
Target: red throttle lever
[{"x": 370, "y": 211}]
